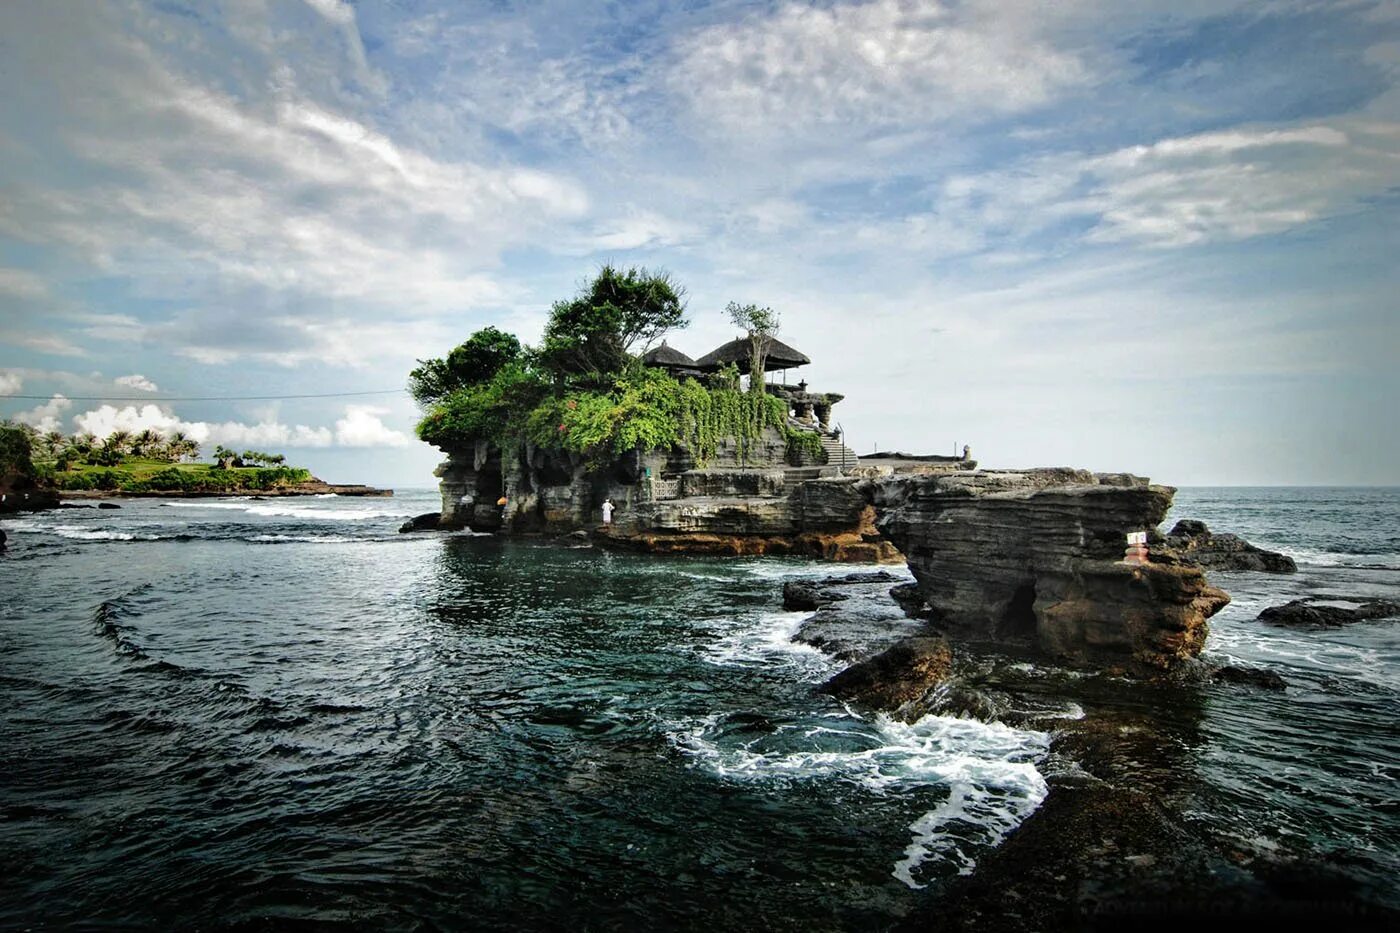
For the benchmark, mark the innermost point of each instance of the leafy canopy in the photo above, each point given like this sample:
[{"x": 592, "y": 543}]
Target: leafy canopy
[
  {"x": 761, "y": 326},
  {"x": 591, "y": 335},
  {"x": 472, "y": 363}
]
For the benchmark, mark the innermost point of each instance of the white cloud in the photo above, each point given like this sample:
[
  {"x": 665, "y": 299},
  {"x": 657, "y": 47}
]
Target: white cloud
[
  {"x": 137, "y": 381},
  {"x": 47, "y": 416},
  {"x": 361, "y": 427},
  {"x": 264, "y": 187},
  {"x": 45, "y": 343},
  {"x": 1237, "y": 184},
  {"x": 10, "y": 382},
  {"x": 853, "y": 65},
  {"x": 21, "y": 284}
]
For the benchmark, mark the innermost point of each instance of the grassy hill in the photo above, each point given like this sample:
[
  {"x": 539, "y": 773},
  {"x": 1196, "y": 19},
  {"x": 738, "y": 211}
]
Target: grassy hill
[{"x": 139, "y": 474}]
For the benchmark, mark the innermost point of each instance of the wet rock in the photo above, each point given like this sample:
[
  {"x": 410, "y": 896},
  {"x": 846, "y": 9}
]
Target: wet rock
[
  {"x": 108, "y": 505},
  {"x": 74, "y": 505},
  {"x": 1035, "y": 557},
  {"x": 909, "y": 598},
  {"x": 1260, "y": 677},
  {"x": 799, "y": 595},
  {"x": 1191, "y": 542},
  {"x": 898, "y": 676},
  {"x": 428, "y": 521},
  {"x": 1330, "y": 611}
]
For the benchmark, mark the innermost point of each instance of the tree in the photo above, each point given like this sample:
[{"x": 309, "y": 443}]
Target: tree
[
  {"x": 761, "y": 326},
  {"x": 119, "y": 441},
  {"x": 473, "y": 363},
  {"x": 146, "y": 443},
  {"x": 592, "y": 334}
]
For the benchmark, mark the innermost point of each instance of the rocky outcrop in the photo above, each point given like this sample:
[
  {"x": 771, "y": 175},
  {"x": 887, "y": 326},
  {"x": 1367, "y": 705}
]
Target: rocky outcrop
[
  {"x": 1330, "y": 611},
  {"x": 853, "y": 615},
  {"x": 897, "y": 677},
  {"x": 1191, "y": 542},
  {"x": 1037, "y": 556},
  {"x": 428, "y": 521},
  {"x": 826, "y": 518}
]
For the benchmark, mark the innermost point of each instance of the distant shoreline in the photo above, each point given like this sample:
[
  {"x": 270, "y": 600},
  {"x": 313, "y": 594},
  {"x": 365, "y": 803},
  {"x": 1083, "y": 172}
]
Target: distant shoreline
[{"x": 301, "y": 489}]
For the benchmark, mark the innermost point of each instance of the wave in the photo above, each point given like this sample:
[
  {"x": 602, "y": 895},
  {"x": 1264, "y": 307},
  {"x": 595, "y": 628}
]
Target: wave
[
  {"x": 312, "y": 513},
  {"x": 988, "y": 769},
  {"x": 302, "y": 539},
  {"x": 768, "y": 643},
  {"x": 1352, "y": 560}
]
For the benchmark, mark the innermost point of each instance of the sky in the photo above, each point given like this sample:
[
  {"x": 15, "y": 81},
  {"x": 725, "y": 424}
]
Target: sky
[{"x": 1157, "y": 237}]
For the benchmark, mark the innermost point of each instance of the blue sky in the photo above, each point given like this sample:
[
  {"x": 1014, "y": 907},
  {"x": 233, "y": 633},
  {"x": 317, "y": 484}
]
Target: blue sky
[{"x": 1156, "y": 237}]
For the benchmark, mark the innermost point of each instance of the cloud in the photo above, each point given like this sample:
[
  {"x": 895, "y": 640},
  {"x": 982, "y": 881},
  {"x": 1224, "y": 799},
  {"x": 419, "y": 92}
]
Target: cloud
[
  {"x": 137, "y": 381},
  {"x": 1237, "y": 184},
  {"x": 361, "y": 427},
  {"x": 21, "y": 284},
  {"x": 10, "y": 382},
  {"x": 200, "y": 185},
  {"x": 45, "y": 343},
  {"x": 854, "y": 66},
  {"x": 48, "y": 416}
]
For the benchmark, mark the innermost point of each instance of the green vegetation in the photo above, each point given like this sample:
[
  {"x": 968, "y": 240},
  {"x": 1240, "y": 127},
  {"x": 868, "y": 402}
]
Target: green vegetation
[
  {"x": 148, "y": 461},
  {"x": 583, "y": 391},
  {"x": 17, "y": 468},
  {"x": 761, "y": 325},
  {"x": 145, "y": 475}
]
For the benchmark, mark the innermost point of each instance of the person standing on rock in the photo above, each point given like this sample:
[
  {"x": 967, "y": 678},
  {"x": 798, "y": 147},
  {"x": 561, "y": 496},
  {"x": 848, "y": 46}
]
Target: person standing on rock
[{"x": 607, "y": 511}]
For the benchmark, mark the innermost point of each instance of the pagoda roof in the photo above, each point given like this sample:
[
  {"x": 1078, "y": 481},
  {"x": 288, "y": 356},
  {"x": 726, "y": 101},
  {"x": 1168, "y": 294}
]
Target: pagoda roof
[
  {"x": 668, "y": 357},
  {"x": 736, "y": 351}
]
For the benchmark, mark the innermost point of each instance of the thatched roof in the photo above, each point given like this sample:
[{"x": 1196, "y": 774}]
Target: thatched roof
[
  {"x": 780, "y": 356},
  {"x": 668, "y": 358}
]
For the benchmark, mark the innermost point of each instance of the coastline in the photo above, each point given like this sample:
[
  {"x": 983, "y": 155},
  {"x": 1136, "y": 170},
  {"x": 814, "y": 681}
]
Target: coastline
[{"x": 301, "y": 489}]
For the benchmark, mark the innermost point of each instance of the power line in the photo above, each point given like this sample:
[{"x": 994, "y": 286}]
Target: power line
[{"x": 201, "y": 398}]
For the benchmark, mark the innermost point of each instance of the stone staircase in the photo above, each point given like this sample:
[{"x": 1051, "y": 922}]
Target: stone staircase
[
  {"x": 796, "y": 476},
  {"x": 838, "y": 453}
]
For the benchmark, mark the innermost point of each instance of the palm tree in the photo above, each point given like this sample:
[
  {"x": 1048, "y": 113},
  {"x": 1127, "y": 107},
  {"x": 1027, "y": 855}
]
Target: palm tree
[
  {"x": 119, "y": 440},
  {"x": 146, "y": 443}
]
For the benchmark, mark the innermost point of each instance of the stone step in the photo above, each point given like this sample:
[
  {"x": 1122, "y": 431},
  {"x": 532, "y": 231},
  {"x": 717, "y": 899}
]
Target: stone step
[{"x": 838, "y": 453}]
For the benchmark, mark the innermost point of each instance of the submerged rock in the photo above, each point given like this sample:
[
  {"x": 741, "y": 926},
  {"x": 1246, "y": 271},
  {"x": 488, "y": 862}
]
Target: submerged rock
[
  {"x": 898, "y": 676},
  {"x": 428, "y": 521},
  {"x": 1260, "y": 677},
  {"x": 1037, "y": 557},
  {"x": 1191, "y": 542},
  {"x": 1330, "y": 611},
  {"x": 108, "y": 505}
]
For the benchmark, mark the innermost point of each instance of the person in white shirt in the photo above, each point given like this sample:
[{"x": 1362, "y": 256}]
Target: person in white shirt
[{"x": 607, "y": 511}]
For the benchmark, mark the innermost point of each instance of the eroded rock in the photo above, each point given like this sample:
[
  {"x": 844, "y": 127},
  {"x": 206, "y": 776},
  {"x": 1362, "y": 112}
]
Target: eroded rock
[
  {"x": 900, "y": 675},
  {"x": 1191, "y": 542},
  {"x": 1036, "y": 557},
  {"x": 428, "y": 521},
  {"x": 1330, "y": 611}
]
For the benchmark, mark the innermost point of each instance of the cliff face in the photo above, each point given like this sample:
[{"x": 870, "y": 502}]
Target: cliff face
[{"x": 1038, "y": 556}]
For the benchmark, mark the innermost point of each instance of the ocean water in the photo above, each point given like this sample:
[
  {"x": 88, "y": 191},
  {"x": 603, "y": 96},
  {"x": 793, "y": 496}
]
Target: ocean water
[{"x": 268, "y": 712}]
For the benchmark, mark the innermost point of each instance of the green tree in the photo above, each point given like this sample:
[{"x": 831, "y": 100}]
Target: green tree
[
  {"x": 761, "y": 326},
  {"x": 473, "y": 363},
  {"x": 592, "y": 334}
]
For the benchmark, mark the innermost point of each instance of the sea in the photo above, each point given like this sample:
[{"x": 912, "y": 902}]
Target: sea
[{"x": 282, "y": 713}]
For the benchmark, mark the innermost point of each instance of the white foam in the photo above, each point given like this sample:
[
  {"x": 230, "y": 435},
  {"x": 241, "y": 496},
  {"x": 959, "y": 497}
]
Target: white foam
[
  {"x": 988, "y": 768},
  {"x": 80, "y": 533},
  {"x": 767, "y": 642},
  {"x": 308, "y": 512},
  {"x": 301, "y": 539}
]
